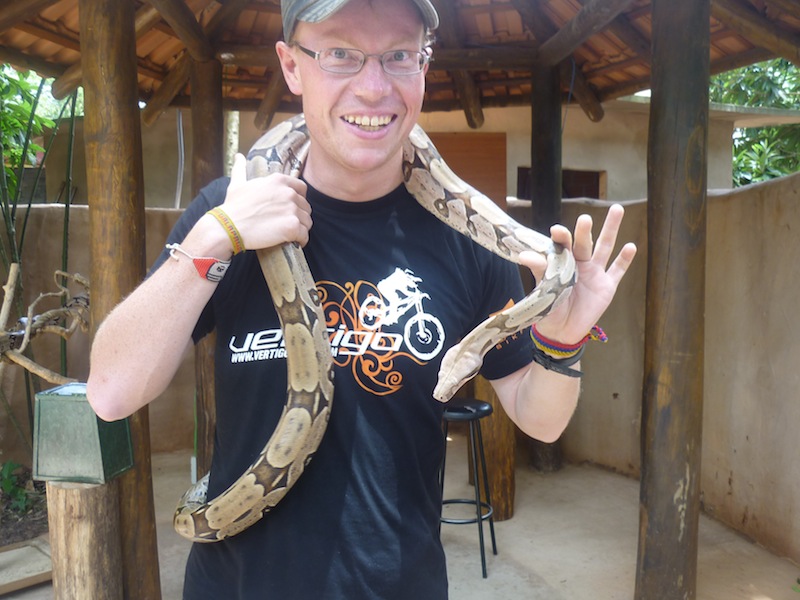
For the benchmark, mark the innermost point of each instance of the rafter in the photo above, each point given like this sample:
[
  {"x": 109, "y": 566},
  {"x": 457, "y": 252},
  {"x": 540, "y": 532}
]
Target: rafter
[
  {"x": 449, "y": 33},
  {"x": 592, "y": 18},
  {"x": 179, "y": 75},
  {"x": 24, "y": 61},
  {"x": 183, "y": 22},
  {"x": 13, "y": 12},
  {"x": 748, "y": 22}
]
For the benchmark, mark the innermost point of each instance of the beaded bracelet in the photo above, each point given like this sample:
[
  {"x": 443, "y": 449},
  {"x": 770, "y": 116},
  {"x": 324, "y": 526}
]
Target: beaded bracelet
[{"x": 233, "y": 234}]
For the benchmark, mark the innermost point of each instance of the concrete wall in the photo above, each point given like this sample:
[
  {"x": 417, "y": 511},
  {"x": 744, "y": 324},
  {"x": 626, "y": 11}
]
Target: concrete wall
[{"x": 750, "y": 462}]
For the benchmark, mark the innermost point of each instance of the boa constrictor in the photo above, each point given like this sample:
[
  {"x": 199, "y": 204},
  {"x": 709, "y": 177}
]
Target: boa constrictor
[{"x": 309, "y": 362}]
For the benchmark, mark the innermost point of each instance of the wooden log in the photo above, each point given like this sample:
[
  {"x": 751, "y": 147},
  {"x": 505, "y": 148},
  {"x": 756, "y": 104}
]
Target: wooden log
[
  {"x": 272, "y": 99},
  {"x": 594, "y": 16},
  {"x": 84, "y": 540},
  {"x": 183, "y": 22},
  {"x": 450, "y": 35},
  {"x": 14, "y": 11},
  {"x": 672, "y": 411},
  {"x": 499, "y": 440},
  {"x": 546, "y": 194},
  {"x": 545, "y": 147},
  {"x": 175, "y": 81},
  {"x": 742, "y": 18},
  {"x": 24, "y": 61},
  {"x": 208, "y": 159},
  {"x": 116, "y": 227}
]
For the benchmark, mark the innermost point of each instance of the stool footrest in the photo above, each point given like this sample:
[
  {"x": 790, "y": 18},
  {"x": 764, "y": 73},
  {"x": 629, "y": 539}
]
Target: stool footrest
[{"x": 486, "y": 513}]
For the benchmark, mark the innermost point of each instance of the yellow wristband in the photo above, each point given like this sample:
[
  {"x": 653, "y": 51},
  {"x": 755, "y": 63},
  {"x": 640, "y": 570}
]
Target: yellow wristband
[{"x": 233, "y": 234}]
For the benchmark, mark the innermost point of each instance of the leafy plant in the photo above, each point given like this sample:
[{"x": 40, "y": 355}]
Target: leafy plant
[
  {"x": 20, "y": 126},
  {"x": 12, "y": 488},
  {"x": 761, "y": 153}
]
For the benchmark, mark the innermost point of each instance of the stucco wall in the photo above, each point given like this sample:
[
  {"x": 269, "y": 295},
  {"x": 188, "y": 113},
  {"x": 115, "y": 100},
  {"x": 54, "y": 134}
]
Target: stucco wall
[
  {"x": 617, "y": 145},
  {"x": 750, "y": 460}
]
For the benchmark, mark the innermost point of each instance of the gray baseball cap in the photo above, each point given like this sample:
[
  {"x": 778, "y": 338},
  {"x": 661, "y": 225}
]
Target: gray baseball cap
[{"x": 314, "y": 11}]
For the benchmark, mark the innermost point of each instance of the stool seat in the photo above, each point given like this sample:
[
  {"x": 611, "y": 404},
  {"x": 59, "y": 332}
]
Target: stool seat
[
  {"x": 471, "y": 411},
  {"x": 466, "y": 409}
]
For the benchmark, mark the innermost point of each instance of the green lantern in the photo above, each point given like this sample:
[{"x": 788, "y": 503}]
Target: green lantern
[{"x": 71, "y": 443}]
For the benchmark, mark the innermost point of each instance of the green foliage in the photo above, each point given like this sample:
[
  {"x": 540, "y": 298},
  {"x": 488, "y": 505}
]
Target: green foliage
[
  {"x": 761, "y": 153},
  {"x": 12, "y": 489},
  {"x": 19, "y": 124}
]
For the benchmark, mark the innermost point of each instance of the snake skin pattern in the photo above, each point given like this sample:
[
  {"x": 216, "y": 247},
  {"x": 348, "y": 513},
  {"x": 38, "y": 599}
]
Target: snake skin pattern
[{"x": 309, "y": 362}]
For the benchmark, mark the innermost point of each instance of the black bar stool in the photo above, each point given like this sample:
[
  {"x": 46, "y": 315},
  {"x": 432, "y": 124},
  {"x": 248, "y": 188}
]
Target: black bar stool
[{"x": 471, "y": 411}]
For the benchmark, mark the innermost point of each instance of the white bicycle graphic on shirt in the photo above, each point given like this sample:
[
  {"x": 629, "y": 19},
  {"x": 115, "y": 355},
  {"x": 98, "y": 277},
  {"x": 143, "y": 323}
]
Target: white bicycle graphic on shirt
[{"x": 400, "y": 293}]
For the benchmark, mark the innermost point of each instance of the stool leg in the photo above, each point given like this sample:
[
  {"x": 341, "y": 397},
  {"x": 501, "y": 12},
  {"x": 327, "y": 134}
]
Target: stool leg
[
  {"x": 441, "y": 469},
  {"x": 444, "y": 457},
  {"x": 486, "y": 485},
  {"x": 478, "y": 507}
]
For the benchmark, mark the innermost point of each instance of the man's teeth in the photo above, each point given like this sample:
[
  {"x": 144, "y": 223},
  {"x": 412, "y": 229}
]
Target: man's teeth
[{"x": 368, "y": 122}]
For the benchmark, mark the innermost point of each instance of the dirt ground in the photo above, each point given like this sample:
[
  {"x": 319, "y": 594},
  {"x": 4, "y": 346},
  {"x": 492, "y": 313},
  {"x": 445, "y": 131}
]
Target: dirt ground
[{"x": 16, "y": 526}]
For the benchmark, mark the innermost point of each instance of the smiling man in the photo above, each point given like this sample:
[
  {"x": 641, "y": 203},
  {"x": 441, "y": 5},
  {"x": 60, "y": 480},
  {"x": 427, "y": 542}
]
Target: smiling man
[{"x": 363, "y": 520}]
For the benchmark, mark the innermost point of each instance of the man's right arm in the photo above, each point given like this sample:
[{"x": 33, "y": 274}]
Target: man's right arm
[{"x": 141, "y": 343}]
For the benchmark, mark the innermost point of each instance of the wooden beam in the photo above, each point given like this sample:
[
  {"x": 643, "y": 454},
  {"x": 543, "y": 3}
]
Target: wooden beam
[
  {"x": 450, "y": 35},
  {"x": 543, "y": 29},
  {"x": 13, "y": 12},
  {"x": 789, "y": 7},
  {"x": 146, "y": 18},
  {"x": 629, "y": 36},
  {"x": 591, "y": 19},
  {"x": 720, "y": 66},
  {"x": 183, "y": 22},
  {"x": 276, "y": 90},
  {"x": 760, "y": 31},
  {"x": 207, "y": 164},
  {"x": 672, "y": 401},
  {"x": 24, "y": 62},
  {"x": 581, "y": 91},
  {"x": 42, "y": 30},
  {"x": 179, "y": 75},
  {"x": 173, "y": 83},
  {"x": 245, "y": 55},
  {"x": 546, "y": 147},
  {"x": 116, "y": 227}
]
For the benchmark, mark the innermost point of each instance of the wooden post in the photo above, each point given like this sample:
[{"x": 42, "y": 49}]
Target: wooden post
[
  {"x": 208, "y": 157},
  {"x": 546, "y": 195},
  {"x": 498, "y": 441},
  {"x": 84, "y": 541},
  {"x": 116, "y": 228},
  {"x": 672, "y": 411}
]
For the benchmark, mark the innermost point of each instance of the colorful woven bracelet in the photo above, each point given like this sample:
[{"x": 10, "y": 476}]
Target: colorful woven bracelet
[
  {"x": 233, "y": 233},
  {"x": 560, "y": 351}
]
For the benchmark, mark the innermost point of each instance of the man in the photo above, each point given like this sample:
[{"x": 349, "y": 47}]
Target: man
[{"x": 362, "y": 522}]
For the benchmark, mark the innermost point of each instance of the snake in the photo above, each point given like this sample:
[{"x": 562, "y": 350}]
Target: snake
[{"x": 309, "y": 362}]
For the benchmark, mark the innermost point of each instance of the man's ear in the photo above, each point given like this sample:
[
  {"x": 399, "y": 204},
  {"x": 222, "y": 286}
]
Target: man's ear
[{"x": 289, "y": 67}]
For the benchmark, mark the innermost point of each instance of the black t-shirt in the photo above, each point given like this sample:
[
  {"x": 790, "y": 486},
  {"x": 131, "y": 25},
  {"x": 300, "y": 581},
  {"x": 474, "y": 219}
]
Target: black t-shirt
[{"x": 399, "y": 288}]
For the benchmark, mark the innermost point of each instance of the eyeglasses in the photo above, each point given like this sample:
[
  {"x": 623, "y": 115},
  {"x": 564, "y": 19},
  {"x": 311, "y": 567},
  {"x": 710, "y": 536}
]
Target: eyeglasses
[{"x": 349, "y": 61}]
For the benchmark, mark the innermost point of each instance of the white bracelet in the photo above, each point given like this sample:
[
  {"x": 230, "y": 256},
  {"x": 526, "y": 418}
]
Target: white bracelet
[{"x": 209, "y": 268}]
